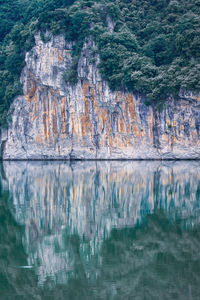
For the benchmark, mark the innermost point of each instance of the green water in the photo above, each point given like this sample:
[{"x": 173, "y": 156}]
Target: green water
[{"x": 100, "y": 230}]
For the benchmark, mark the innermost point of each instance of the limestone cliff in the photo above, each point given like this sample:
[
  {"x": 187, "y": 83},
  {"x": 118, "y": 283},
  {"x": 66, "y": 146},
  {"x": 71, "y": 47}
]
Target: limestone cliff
[{"x": 54, "y": 120}]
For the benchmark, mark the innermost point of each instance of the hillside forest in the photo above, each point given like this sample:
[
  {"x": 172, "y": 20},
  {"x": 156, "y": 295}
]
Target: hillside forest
[{"x": 153, "y": 48}]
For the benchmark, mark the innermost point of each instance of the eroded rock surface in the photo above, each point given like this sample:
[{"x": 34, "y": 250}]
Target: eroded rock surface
[{"x": 54, "y": 120}]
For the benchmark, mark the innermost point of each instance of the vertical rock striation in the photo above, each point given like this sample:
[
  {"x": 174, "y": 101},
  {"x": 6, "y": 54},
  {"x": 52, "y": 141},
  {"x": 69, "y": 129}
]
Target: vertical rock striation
[{"x": 54, "y": 120}]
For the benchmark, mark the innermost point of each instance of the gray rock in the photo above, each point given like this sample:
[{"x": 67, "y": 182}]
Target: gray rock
[{"x": 54, "y": 120}]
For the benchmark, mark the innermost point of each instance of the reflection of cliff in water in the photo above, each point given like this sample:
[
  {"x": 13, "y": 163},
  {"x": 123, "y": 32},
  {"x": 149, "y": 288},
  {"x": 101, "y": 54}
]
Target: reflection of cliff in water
[{"x": 59, "y": 202}]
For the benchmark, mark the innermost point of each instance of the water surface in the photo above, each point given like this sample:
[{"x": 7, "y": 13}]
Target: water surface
[{"x": 100, "y": 230}]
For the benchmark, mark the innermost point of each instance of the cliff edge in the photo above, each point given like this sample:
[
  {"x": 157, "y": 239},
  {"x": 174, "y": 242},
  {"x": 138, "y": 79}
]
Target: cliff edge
[{"x": 55, "y": 120}]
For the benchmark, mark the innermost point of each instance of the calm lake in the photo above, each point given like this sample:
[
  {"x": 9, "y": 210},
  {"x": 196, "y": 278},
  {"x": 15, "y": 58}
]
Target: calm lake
[{"x": 100, "y": 230}]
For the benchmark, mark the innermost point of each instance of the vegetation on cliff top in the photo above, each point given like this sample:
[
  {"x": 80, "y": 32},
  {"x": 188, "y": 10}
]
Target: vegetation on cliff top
[{"x": 153, "y": 48}]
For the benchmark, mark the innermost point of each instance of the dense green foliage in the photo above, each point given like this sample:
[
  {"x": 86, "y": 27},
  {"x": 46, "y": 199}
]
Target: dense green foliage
[{"x": 153, "y": 50}]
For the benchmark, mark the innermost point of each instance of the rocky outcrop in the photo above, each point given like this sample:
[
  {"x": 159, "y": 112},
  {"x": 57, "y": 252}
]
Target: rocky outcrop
[{"x": 54, "y": 120}]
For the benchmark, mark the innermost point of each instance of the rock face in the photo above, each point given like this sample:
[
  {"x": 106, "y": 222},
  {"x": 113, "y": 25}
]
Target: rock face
[{"x": 54, "y": 120}]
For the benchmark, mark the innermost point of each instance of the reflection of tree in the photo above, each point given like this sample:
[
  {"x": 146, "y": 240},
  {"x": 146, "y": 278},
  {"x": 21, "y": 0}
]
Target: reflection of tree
[
  {"x": 157, "y": 260},
  {"x": 14, "y": 280},
  {"x": 69, "y": 214},
  {"x": 17, "y": 282}
]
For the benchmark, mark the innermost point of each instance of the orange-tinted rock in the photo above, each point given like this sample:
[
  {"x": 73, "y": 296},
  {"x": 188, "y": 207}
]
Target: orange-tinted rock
[{"x": 55, "y": 120}]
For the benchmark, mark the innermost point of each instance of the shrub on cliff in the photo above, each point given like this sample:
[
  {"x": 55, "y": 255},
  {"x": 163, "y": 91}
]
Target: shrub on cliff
[{"x": 151, "y": 47}]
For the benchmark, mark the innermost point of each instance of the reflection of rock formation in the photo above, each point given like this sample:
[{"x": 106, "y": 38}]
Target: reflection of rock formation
[{"x": 56, "y": 200}]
